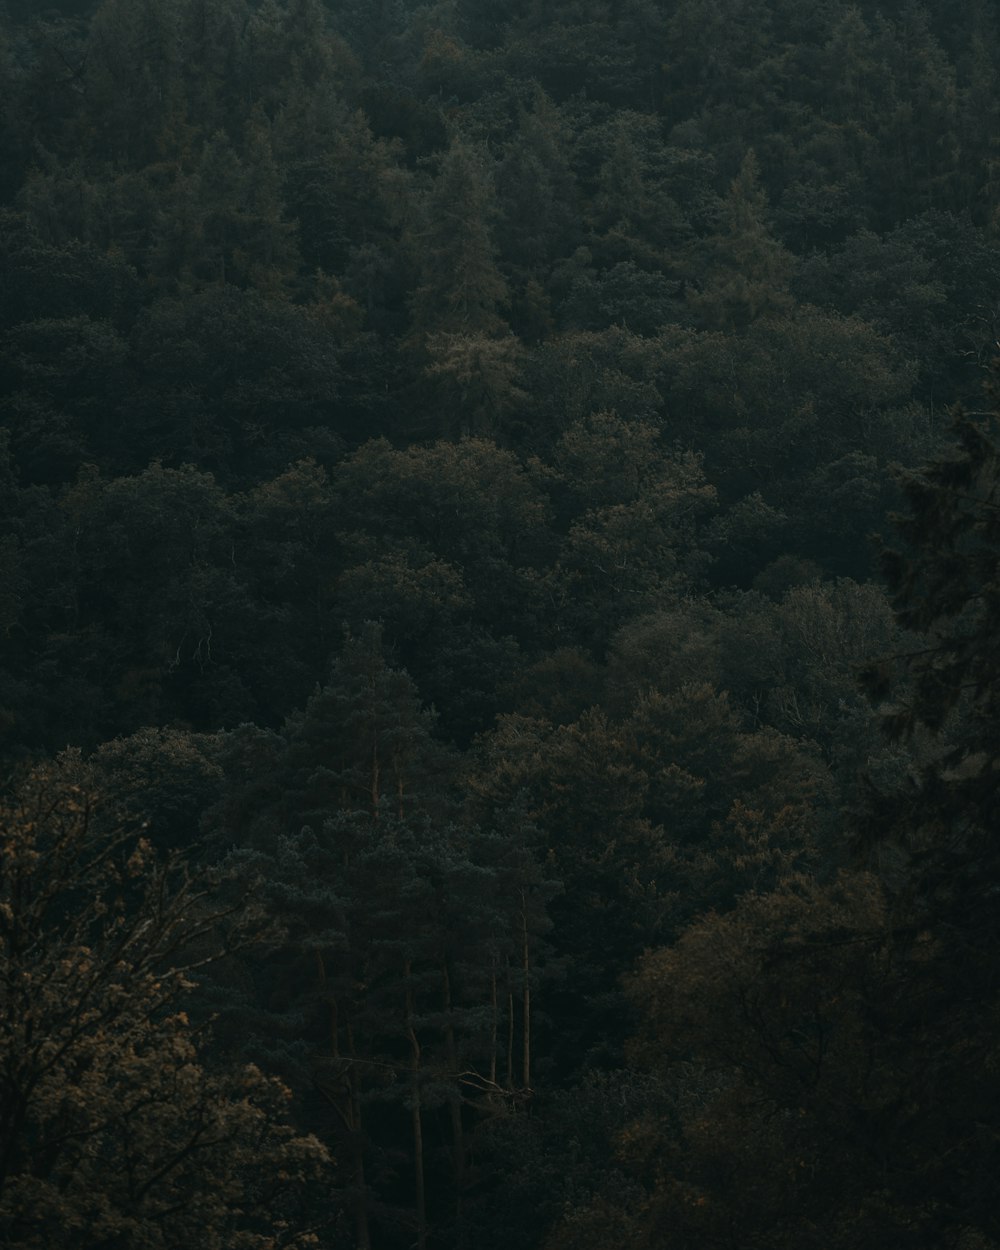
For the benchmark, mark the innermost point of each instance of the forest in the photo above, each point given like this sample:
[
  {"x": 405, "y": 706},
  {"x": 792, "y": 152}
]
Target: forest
[{"x": 499, "y": 625}]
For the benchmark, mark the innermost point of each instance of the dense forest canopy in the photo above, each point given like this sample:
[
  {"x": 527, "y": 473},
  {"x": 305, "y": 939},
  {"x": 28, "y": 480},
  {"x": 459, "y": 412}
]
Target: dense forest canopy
[{"x": 471, "y": 778}]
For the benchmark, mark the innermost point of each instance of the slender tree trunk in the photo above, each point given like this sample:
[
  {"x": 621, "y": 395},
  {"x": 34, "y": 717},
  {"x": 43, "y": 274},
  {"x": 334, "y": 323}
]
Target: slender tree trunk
[
  {"x": 454, "y": 1106},
  {"x": 415, "y": 1114},
  {"x": 362, "y": 1232},
  {"x": 494, "y": 1023},
  {"x": 510, "y": 1030},
  {"x": 324, "y": 989},
  {"x": 350, "y": 1113},
  {"x": 375, "y": 779},
  {"x": 526, "y": 998}
]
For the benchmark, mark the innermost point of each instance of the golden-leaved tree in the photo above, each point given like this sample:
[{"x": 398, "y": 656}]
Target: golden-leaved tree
[{"x": 115, "y": 1131}]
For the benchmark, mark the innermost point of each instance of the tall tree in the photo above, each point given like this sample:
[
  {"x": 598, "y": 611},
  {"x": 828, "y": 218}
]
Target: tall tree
[
  {"x": 460, "y": 290},
  {"x": 933, "y": 830},
  {"x": 134, "y": 78},
  {"x": 113, "y": 1125},
  {"x": 747, "y": 269}
]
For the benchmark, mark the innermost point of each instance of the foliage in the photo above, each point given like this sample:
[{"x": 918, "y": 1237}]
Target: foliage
[
  {"x": 439, "y": 444},
  {"x": 115, "y": 1128}
]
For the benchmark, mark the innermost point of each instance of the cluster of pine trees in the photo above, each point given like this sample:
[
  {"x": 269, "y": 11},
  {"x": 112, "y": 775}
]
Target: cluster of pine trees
[{"x": 471, "y": 780}]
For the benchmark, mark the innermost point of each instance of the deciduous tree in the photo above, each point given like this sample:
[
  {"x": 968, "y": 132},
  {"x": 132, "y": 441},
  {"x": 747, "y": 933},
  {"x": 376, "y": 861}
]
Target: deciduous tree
[{"x": 114, "y": 1128}]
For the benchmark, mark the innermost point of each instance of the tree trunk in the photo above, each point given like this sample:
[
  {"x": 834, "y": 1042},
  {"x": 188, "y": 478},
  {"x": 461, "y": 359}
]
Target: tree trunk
[
  {"x": 510, "y": 1031},
  {"x": 415, "y": 1115},
  {"x": 362, "y": 1231},
  {"x": 324, "y": 989},
  {"x": 494, "y": 1022},
  {"x": 375, "y": 779},
  {"x": 454, "y": 1106},
  {"x": 526, "y": 999}
]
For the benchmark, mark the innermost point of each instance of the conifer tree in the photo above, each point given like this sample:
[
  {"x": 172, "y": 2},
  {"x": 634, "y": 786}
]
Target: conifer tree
[
  {"x": 945, "y": 590},
  {"x": 537, "y": 189},
  {"x": 933, "y": 832},
  {"x": 134, "y": 78},
  {"x": 748, "y": 269},
  {"x": 460, "y": 289},
  {"x": 405, "y": 974}
]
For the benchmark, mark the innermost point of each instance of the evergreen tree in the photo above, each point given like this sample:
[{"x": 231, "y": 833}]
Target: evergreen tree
[
  {"x": 933, "y": 831},
  {"x": 134, "y": 78},
  {"x": 747, "y": 269},
  {"x": 460, "y": 290}
]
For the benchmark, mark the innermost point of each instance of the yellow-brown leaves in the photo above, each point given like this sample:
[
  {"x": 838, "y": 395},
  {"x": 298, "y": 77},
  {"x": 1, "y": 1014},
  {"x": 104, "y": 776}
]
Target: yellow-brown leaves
[{"x": 111, "y": 1126}]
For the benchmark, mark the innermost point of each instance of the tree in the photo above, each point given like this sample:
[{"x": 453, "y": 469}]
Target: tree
[
  {"x": 162, "y": 779},
  {"x": 234, "y": 381},
  {"x": 747, "y": 269},
  {"x": 157, "y": 594},
  {"x": 402, "y": 989},
  {"x": 333, "y": 170},
  {"x": 932, "y": 831},
  {"x": 776, "y": 1102},
  {"x": 69, "y": 373},
  {"x": 536, "y": 188},
  {"x": 633, "y": 536},
  {"x": 133, "y": 78},
  {"x": 580, "y": 373},
  {"x": 943, "y": 694},
  {"x": 929, "y": 284},
  {"x": 115, "y": 1130},
  {"x": 917, "y": 125},
  {"x": 461, "y": 290},
  {"x": 632, "y": 214},
  {"x": 806, "y": 409},
  {"x": 789, "y": 661},
  {"x": 566, "y": 44},
  {"x": 233, "y": 228},
  {"x": 479, "y": 377},
  {"x": 444, "y": 544}
]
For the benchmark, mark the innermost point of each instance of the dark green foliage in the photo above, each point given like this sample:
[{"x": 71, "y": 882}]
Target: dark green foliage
[
  {"x": 409, "y": 942},
  {"x": 230, "y": 381},
  {"x": 439, "y": 445},
  {"x": 945, "y": 592}
]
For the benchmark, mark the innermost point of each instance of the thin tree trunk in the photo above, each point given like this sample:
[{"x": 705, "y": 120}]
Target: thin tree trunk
[
  {"x": 362, "y": 1230},
  {"x": 375, "y": 780},
  {"x": 331, "y": 999},
  {"x": 494, "y": 1023},
  {"x": 418, "y": 1168},
  {"x": 510, "y": 1030},
  {"x": 526, "y": 999},
  {"x": 418, "y": 1132},
  {"x": 454, "y": 1107}
]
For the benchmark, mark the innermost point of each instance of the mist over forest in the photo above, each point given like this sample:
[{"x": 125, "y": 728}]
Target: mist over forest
[{"x": 499, "y": 625}]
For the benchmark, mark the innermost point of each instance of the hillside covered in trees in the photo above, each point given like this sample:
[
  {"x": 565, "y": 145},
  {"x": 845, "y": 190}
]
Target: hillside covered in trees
[{"x": 499, "y": 625}]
